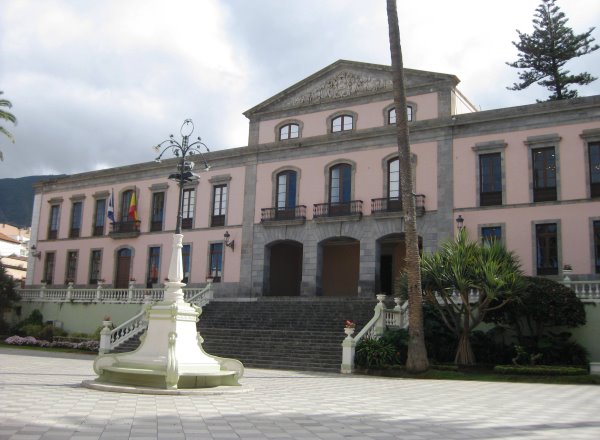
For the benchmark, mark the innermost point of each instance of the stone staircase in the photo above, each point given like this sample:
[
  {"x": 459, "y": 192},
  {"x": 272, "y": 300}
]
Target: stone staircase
[
  {"x": 286, "y": 333},
  {"x": 281, "y": 333}
]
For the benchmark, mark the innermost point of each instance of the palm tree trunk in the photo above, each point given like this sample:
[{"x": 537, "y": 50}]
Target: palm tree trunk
[{"x": 417, "y": 353}]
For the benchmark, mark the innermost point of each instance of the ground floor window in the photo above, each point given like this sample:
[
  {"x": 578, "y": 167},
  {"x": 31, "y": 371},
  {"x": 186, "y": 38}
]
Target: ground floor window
[
  {"x": 546, "y": 236},
  {"x": 216, "y": 262}
]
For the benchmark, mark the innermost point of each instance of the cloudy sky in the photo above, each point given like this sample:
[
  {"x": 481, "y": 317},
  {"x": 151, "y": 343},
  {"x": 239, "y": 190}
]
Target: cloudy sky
[{"x": 96, "y": 84}]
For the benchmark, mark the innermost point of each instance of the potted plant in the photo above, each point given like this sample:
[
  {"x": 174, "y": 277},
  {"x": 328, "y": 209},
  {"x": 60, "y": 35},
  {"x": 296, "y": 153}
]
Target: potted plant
[
  {"x": 107, "y": 321},
  {"x": 349, "y": 327}
]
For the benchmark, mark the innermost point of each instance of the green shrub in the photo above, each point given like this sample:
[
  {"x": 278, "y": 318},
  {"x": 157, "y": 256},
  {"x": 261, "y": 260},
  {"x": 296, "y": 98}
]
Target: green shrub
[
  {"x": 375, "y": 353},
  {"x": 397, "y": 338},
  {"x": 440, "y": 342},
  {"x": 30, "y": 329},
  {"x": 540, "y": 370}
]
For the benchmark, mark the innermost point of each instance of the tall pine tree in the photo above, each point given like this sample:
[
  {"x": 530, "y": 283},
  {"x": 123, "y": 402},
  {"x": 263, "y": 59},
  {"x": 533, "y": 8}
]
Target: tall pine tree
[{"x": 544, "y": 53}]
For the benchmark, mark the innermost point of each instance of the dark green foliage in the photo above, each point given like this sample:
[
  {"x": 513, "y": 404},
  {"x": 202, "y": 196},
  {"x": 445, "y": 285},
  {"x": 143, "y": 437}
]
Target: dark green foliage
[
  {"x": 440, "y": 342},
  {"x": 544, "y": 53},
  {"x": 397, "y": 338},
  {"x": 558, "y": 349},
  {"x": 540, "y": 370},
  {"x": 543, "y": 304},
  {"x": 489, "y": 349},
  {"x": 8, "y": 295},
  {"x": 16, "y": 200},
  {"x": 374, "y": 353}
]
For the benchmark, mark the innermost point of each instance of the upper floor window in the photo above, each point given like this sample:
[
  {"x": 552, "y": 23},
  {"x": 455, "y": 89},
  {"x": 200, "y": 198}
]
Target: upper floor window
[
  {"x": 342, "y": 123},
  {"x": 391, "y": 114},
  {"x": 544, "y": 174},
  {"x": 158, "y": 207},
  {"x": 189, "y": 195},
  {"x": 286, "y": 190},
  {"x": 393, "y": 186},
  {"x": 95, "y": 265},
  {"x": 594, "y": 160},
  {"x": 219, "y": 205},
  {"x": 53, "y": 223},
  {"x": 76, "y": 211},
  {"x": 99, "y": 215},
  {"x": 128, "y": 206},
  {"x": 546, "y": 237},
  {"x": 490, "y": 179},
  {"x": 289, "y": 131},
  {"x": 49, "y": 267},
  {"x": 71, "y": 272},
  {"x": 153, "y": 265},
  {"x": 340, "y": 183}
]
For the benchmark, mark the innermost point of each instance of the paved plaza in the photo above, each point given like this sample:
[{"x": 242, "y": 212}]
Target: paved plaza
[{"x": 42, "y": 399}]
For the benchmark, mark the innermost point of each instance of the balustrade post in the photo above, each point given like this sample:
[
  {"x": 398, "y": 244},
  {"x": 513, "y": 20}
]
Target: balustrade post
[
  {"x": 42, "y": 290},
  {"x": 398, "y": 315},
  {"x": 130, "y": 292},
  {"x": 348, "y": 351},
  {"x": 105, "y": 337},
  {"x": 380, "y": 324},
  {"x": 99, "y": 292},
  {"x": 69, "y": 291}
]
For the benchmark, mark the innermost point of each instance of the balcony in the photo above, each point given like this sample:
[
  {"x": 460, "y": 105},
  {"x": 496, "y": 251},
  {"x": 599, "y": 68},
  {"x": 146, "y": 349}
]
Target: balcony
[
  {"x": 393, "y": 205},
  {"x": 217, "y": 220},
  {"x": 129, "y": 229},
  {"x": 281, "y": 217},
  {"x": 338, "y": 211}
]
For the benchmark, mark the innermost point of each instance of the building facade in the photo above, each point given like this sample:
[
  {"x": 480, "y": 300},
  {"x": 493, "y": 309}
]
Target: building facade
[{"x": 311, "y": 206}]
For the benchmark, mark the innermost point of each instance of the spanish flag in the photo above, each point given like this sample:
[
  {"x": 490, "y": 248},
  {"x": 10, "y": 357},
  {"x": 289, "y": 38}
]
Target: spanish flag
[{"x": 132, "y": 213}]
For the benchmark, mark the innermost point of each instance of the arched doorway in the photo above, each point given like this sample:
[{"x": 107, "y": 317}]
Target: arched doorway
[
  {"x": 391, "y": 261},
  {"x": 123, "y": 268},
  {"x": 284, "y": 268},
  {"x": 339, "y": 267}
]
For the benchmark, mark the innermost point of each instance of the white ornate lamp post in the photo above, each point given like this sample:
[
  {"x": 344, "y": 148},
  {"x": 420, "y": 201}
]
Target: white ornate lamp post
[{"x": 171, "y": 354}]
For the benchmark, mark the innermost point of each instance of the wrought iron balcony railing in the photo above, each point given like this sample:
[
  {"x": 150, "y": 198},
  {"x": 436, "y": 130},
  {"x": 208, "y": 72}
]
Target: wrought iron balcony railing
[
  {"x": 394, "y": 204},
  {"x": 127, "y": 228},
  {"x": 279, "y": 214},
  {"x": 352, "y": 208}
]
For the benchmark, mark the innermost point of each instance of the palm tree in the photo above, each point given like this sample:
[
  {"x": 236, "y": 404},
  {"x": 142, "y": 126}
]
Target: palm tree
[
  {"x": 417, "y": 353},
  {"x": 6, "y": 116},
  {"x": 461, "y": 268}
]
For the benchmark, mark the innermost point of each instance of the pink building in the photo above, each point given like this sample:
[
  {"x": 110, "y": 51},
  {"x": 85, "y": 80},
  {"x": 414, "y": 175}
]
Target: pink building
[{"x": 312, "y": 203}]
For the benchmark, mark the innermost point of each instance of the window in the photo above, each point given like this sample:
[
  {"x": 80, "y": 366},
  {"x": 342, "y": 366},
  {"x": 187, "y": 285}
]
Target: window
[
  {"x": 342, "y": 123},
  {"x": 594, "y": 160},
  {"x": 490, "y": 179},
  {"x": 286, "y": 194},
  {"x": 394, "y": 198},
  {"x": 597, "y": 245},
  {"x": 99, "y": 216},
  {"x": 491, "y": 233},
  {"x": 216, "y": 261},
  {"x": 158, "y": 206},
  {"x": 53, "y": 224},
  {"x": 219, "y": 205},
  {"x": 125, "y": 206},
  {"x": 49, "y": 267},
  {"x": 76, "y": 211},
  {"x": 186, "y": 254},
  {"x": 95, "y": 265},
  {"x": 188, "y": 208},
  {"x": 546, "y": 238},
  {"x": 544, "y": 174},
  {"x": 289, "y": 131},
  {"x": 153, "y": 265},
  {"x": 391, "y": 115},
  {"x": 71, "y": 272},
  {"x": 340, "y": 182}
]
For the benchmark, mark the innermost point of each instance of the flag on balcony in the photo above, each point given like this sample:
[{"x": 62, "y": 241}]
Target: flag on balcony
[
  {"x": 110, "y": 213},
  {"x": 132, "y": 213}
]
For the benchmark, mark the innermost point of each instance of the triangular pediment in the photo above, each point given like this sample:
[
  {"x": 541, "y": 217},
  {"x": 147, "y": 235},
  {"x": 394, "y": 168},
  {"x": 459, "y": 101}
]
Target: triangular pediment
[{"x": 345, "y": 80}]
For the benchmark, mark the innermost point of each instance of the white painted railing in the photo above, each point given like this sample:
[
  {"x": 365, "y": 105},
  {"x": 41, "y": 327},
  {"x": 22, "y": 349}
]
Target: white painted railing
[
  {"x": 585, "y": 290},
  {"x": 110, "y": 339},
  {"x": 382, "y": 318},
  {"x": 135, "y": 295}
]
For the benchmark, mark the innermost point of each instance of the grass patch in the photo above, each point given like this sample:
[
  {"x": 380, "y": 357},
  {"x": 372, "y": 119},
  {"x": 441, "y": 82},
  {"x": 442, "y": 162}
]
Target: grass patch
[{"x": 482, "y": 376}]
